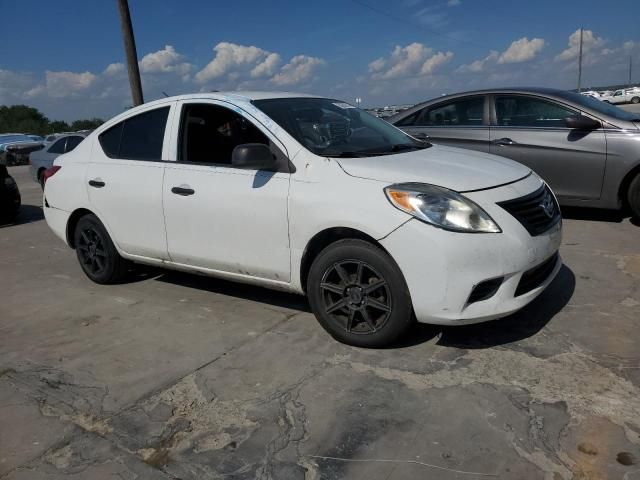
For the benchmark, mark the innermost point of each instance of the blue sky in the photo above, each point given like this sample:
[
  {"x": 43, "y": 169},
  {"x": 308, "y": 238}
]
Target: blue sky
[{"x": 67, "y": 60}]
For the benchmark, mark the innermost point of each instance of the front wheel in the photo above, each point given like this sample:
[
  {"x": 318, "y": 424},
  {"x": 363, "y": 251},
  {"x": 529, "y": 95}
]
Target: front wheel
[
  {"x": 359, "y": 295},
  {"x": 633, "y": 196},
  {"x": 96, "y": 253}
]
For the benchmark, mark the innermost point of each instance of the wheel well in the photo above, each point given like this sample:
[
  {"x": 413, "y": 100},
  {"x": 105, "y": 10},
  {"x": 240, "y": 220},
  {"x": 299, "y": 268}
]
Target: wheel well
[
  {"x": 73, "y": 221},
  {"x": 323, "y": 239},
  {"x": 40, "y": 170},
  {"x": 624, "y": 186}
]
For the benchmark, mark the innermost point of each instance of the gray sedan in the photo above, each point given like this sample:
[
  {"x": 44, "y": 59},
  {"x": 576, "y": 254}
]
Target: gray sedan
[
  {"x": 586, "y": 150},
  {"x": 43, "y": 159}
]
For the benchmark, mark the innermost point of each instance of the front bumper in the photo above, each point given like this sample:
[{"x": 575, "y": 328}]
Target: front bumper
[{"x": 442, "y": 268}]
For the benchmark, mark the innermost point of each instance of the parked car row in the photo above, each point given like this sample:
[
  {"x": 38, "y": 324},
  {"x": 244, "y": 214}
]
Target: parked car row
[{"x": 629, "y": 95}]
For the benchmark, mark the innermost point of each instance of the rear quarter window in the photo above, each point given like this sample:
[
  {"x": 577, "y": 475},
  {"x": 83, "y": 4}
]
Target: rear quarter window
[{"x": 137, "y": 138}]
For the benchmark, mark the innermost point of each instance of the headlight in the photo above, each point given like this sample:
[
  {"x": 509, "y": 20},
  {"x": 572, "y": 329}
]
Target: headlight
[{"x": 440, "y": 207}]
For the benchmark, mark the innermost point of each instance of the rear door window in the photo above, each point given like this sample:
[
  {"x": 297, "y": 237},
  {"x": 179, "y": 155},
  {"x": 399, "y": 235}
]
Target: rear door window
[
  {"x": 73, "y": 142},
  {"x": 58, "y": 147},
  {"x": 461, "y": 112},
  {"x": 137, "y": 138}
]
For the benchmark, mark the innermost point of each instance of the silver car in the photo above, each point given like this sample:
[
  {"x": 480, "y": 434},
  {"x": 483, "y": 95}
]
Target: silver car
[
  {"x": 588, "y": 151},
  {"x": 43, "y": 159}
]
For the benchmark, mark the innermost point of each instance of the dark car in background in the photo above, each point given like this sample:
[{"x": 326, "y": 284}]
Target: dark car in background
[
  {"x": 9, "y": 196},
  {"x": 588, "y": 151}
]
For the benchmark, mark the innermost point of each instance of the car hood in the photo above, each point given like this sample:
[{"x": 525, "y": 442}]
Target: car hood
[{"x": 454, "y": 168}]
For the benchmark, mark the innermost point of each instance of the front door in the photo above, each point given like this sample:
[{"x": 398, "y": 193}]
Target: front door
[
  {"x": 531, "y": 130},
  {"x": 221, "y": 217}
]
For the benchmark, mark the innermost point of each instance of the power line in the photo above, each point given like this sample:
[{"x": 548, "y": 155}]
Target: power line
[{"x": 410, "y": 23}]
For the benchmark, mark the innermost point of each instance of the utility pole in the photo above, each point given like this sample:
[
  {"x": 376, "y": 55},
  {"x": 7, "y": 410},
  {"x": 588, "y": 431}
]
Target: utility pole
[
  {"x": 130, "y": 50},
  {"x": 580, "y": 63},
  {"x": 630, "y": 70}
]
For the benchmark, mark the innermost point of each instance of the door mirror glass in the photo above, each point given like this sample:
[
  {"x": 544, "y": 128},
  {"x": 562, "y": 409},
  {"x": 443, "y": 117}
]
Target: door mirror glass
[
  {"x": 581, "y": 122},
  {"x": 253, "y": 156}
]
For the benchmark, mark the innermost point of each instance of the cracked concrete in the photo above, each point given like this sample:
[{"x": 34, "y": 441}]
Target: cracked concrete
[{"x": 181, "y": 377}]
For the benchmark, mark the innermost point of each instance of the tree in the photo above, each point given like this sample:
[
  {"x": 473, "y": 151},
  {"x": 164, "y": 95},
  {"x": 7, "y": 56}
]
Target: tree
[{"x": 25, "y": 119}]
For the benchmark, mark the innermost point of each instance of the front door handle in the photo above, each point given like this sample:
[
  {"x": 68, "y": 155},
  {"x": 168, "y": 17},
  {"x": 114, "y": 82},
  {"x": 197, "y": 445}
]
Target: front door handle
[
  {"x": 184, "y": 191},
  {"x": 97, "y": 183},
  {"x": 503, "y": 141}
]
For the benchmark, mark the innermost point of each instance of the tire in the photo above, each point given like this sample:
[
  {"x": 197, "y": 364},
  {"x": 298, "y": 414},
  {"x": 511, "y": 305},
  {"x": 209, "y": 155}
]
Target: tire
[
  {"x": 635, "y": 100},
  {"x": 633, "y": 196},
  {"x": 359, "y": 295},
  {"x": 96, "y": 252},
  {"x": 41, "y": 178}
]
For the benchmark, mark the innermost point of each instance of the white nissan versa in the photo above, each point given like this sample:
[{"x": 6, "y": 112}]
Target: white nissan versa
[{"x": 309, "y": 195}]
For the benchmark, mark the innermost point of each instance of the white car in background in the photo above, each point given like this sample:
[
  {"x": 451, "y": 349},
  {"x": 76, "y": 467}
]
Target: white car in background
[
  {"x": 629, "y": 95},
  {"x": 41, "y": 160},
  {"x": 313, "y": 196}
]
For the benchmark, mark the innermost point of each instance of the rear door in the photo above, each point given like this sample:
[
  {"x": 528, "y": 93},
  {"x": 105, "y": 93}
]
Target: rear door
[
  {"x": 460, "y": 122},
  {"x": 124, "y": 181},
  {"x": 532, "y": 131}
]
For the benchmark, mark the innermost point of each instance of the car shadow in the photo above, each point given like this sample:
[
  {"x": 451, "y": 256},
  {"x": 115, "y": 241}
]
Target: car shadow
[
  {"x": 237, "y": 290},
  {"x": 595, "y": 214},
  {"x": 518, "y": 326},
  {"x": 27, "y": 214}
]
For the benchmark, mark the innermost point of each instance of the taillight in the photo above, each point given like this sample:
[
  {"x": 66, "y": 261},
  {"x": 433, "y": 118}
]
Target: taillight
[{"x": 50, "y": 172}]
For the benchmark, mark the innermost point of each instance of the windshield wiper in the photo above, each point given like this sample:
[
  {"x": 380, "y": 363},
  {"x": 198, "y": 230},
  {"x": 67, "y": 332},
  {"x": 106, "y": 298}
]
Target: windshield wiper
[
  {"x": 408, "y": 146},
  {"x": 347, "y": 154}
]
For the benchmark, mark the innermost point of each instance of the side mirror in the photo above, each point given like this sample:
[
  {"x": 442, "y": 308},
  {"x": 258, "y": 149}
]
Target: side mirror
[
  {"x": 581, "y": 122},
  {"x": 253, "y": 156}
]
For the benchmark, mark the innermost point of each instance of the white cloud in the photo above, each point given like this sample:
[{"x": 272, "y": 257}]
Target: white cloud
[
  {"x": 479, "y": 65},
  {"x": 267, "y": 67},
  {"x": 298, "y": 70},
  {"x": 413, "y": 59},
  {"x": 453, "y": 3},
  {"x": 377, "y": 65},
  {"x": 114, "y": 69},
  {"x": 434, "y": 62},
  {"x": 589, "y": 42},
  {"x": 63, "y": 84},
  {"x": 521, "y": 50},
  {"x": 164, "y": 61},
  {"x": 230, "y": 57}
]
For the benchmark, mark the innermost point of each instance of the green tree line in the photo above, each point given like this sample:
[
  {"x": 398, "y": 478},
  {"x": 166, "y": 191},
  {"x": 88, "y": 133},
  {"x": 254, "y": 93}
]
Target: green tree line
[{"x": 25, "y": 119}]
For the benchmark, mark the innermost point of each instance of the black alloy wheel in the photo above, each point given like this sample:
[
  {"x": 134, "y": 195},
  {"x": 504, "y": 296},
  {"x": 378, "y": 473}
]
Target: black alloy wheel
[
  {"x": 96, "y": 252},
  {"x": 359, "y": 295},
  {"x": 356, "y": 297}
]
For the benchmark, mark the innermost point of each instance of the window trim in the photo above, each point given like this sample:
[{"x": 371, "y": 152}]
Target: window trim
[
  {"x": 494, "y": 116},
  {"x": 178, "y": 129}
]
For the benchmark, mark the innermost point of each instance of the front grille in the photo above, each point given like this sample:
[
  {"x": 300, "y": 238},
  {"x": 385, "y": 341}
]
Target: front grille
[
  {"x": 536, "y": 276},
  {"x": 537, "y": 212},
  {"x": 485, "y": 290}
]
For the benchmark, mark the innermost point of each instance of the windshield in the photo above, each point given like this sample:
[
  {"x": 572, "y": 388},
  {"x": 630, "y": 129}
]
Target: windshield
[
  {"x": 602, "y": 107},
  {"x": 332, "y": 128}
]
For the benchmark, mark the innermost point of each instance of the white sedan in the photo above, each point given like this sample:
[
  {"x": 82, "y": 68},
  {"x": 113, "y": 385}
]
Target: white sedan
[{"x": 309, "y": 195}]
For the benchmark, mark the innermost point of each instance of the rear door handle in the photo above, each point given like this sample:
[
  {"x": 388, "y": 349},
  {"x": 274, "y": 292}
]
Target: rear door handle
[
  {"x": 184, "y": 191},
  {"x": 97, "y": 183},
  {"x": 503, "y": 141}
]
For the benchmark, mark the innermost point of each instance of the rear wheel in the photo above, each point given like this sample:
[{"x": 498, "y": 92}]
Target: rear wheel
[
  {"x": 96, "y": 252},
  {"x": 633, "y": 196},
  {"x": 635, "y": 100},
  {"x": 359, "y": 295}
]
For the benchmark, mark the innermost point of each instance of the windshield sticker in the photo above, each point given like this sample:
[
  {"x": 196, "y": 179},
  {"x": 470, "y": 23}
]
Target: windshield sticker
[{"x": 343, "y": 105}]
